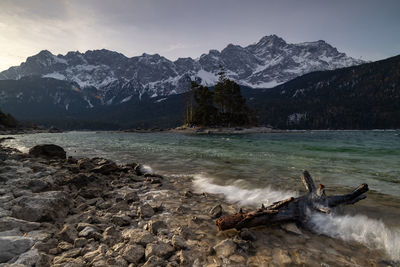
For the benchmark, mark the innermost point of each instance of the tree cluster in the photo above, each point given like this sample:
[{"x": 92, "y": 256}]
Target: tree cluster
[{"x": 224, "y": 106}]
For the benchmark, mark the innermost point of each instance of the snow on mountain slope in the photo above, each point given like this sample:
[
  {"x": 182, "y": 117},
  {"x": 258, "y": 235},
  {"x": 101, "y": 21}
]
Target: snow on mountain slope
[{"x": 117, "y": 78}]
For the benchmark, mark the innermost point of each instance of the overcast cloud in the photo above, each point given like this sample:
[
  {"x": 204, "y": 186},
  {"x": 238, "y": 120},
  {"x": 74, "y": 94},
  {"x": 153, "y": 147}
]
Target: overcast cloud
[{"x": 182, "y": 28}]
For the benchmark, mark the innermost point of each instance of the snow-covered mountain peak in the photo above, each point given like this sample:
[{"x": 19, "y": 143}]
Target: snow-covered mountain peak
[{"x": 115, "y": 77}]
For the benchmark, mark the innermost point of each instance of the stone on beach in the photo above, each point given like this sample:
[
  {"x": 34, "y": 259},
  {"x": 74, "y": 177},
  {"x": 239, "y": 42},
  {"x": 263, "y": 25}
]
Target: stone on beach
[{"x": 48, "y": 151}]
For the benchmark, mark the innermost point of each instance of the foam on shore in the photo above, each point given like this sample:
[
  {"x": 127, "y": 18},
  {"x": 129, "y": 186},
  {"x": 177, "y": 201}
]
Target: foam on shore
[
  {"x": 369, "y": 232},
  {"x": 244, "y": 197}
]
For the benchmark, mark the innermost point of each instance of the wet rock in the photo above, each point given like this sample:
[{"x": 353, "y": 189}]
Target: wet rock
[
  {"x": 155, "y": 226},
  {"x": 261, "y": 260},
  {"x": 48, "y": 151},
  {"x": 178, "y": 242},
  {"x": 68, "y": 233},
  {"x": 281, "y": 256},
  {"x": 188, "y": 194},
  {"x": 45, "y": 206},
  {"x": 133, "y": 253},
  {"x": 11, "y": 246},
  {"x": 247, "y": 234},
  {"x": 138, "y": 236},
  {"x": 225, "y": 248},
  {"x": 292, "y": 228},
  {"x": 138, "y": 169},
  {"x": 159, "y": 249},
  {"x": 145, "y": 211},
  {"x": 216, "y": 211}
]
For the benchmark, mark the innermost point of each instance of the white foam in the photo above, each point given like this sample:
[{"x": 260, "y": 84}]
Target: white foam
[
  {"x": 147, "y": 169},
  {"x": 372, "y": 233},
  {"x": 235, "y": 194}
]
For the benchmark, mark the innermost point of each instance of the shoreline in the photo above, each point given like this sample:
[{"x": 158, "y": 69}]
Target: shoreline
[{"x": 94, "y": 212}]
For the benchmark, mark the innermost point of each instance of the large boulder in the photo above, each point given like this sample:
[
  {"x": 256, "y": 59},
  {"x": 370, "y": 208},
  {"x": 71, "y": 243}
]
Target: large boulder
[
  {"x": 48, "y": 151},
  {"x": 45, "y": 206},
  {"x": 11, "y": 246}
]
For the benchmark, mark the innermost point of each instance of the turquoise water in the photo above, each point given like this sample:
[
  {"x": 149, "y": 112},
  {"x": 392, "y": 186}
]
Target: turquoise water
[
  {"x": 334, "y": 158},
  {"x": 251, "y": 169}
]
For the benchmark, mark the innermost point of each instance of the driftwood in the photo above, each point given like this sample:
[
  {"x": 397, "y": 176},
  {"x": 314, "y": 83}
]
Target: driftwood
[{"x": 292, "y": 209}]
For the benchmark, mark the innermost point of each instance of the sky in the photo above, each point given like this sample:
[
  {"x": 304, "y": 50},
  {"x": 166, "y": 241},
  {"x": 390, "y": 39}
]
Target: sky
[{"x": 364, "y": 29}]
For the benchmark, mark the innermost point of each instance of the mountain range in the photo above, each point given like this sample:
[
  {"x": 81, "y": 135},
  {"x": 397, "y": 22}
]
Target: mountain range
[
  {"x": 75, "y": 92},
  {"x": 113, "y": 78}
]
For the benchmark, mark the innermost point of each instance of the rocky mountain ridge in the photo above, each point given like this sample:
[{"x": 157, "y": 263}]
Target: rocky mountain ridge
[{"x": 113, "y": 78}]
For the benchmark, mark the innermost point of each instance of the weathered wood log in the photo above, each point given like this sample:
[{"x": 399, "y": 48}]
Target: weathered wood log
[{"x": 292, "y": 209}]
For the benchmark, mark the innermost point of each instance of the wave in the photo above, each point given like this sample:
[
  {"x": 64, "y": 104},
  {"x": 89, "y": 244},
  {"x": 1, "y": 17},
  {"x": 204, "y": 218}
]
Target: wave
[
  {"x": 372, "y": 233},
  {"x": 235, "y": 194},
  {"x": 369, "y": 232}
]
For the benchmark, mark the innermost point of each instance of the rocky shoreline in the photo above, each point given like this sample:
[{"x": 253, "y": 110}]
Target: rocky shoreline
[{"x": 60, "y": 211}]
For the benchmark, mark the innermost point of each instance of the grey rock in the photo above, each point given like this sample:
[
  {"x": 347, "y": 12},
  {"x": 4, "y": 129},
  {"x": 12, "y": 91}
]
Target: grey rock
[
  {"x": 48, "y": 151},
  {"x": 225, "y": 248},
  {"x": 292, "y": 228},
  {"x": 9, "y": 223},
  {"x": 216, "y": 211},
  {"x": 80, "y": 242},
  {"x": 43, "y": 260},
  {"x": 145, "y": 211},
  {"x": 247, "y": 234},
  {"x": 154, "y": 261},
  {"x": 28, "y": 258},
  {"x": 159, "y": 249},
  {"x": 64, "y": 246},
  {"x": 68, "y": 233},
  {"x": 155, "y": 226},
  {"x": 45, "y": 206},
  {"x": 130, "y": 197},
  {"x": 111, "y": 235},
  {"x": 105, "y": 168},
  {"x": 178, "y": 242},
  {"x": 87, "y": 232},
  {"x": 133, "y": 253},
  {"x": 138, "y": 236},
  {"x": 11, "y": 246},
  {"x": 121, "y": 219}
]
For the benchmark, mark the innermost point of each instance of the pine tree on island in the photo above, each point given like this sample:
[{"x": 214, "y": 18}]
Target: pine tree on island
[{"x": 222, "y": 107}]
